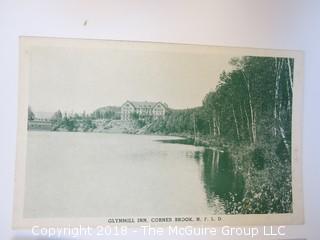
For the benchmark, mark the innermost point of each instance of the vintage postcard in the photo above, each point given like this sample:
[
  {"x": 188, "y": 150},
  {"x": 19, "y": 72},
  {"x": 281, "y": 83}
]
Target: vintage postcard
[{"x": 131, "y": 133}]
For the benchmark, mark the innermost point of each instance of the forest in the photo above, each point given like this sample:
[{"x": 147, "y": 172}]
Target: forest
[{"x": 249, "y": 115}]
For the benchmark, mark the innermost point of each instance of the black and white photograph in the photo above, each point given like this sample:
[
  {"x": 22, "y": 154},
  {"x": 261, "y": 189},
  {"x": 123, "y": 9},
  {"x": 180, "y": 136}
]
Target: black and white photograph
[{"x": 130, "y": 130}]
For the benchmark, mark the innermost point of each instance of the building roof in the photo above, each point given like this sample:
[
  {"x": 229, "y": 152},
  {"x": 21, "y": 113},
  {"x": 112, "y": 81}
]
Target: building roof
[
  {"x": 43, "y": 115},
  {"x": 144, "y": 104}
]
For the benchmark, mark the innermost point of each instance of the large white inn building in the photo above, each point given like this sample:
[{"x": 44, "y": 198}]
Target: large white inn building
[{"x": 143, "y": 109}]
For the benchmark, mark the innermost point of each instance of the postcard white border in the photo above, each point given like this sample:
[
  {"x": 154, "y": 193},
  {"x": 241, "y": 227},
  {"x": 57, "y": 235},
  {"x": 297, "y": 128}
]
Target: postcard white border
[{"x": 297, "y": 217}]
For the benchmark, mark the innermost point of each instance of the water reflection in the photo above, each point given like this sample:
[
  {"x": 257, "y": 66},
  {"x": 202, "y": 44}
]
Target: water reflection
[
  {"x": 219, "y": 177},
  {"x": 220, "y": 180}
]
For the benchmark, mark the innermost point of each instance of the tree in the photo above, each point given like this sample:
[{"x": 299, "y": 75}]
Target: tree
[
  {"x": 57, "y": 116},
  {"x": 134, "y": 115},
  {"x": 31, "y": 115}
]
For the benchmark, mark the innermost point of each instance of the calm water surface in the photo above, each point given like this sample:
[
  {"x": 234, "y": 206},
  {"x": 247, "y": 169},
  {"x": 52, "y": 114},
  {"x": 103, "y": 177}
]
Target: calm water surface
[{"x": 98, "y": 175}]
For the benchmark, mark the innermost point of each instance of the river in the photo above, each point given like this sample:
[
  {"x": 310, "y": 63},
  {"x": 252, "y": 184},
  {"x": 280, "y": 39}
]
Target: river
[{"x": 73, "y": 174}]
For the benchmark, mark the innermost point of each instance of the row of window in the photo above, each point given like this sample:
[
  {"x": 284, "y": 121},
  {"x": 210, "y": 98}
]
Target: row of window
[
  {"x": 140, "y": 112},
  {"x": 127, "y": 115}
]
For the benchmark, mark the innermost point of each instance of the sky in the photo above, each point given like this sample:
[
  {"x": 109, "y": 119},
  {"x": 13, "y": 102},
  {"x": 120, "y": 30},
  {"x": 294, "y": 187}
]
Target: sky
[{"x": 85, "y": 78}]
